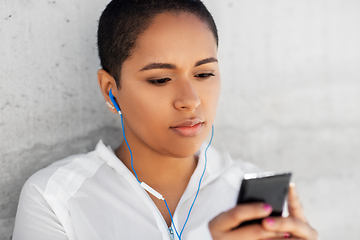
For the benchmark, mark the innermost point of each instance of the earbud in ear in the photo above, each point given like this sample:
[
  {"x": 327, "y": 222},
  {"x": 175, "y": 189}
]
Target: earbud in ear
[{"x": 112, "y": 98}]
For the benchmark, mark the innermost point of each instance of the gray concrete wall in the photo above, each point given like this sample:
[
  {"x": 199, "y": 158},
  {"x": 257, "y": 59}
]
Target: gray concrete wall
[{"x": 290, "y": 96}]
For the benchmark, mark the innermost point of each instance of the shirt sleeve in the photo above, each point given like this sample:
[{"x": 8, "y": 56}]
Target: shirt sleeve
[{"x": 35, "y": 218}]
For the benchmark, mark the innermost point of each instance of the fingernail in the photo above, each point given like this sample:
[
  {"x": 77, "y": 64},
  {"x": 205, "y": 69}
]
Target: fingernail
[
  {"x": 267, "y": 207},
  {"x": 292, "y": 186},
  {"x": 286, "y": 235},
  {"x": 270, "y": 221}
]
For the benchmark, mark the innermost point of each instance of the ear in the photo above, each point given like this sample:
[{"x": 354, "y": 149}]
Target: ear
[{"x": 107, "y": 82}]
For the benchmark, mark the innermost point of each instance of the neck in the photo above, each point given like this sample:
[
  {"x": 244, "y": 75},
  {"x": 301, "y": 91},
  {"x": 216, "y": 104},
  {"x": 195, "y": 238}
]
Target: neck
[{"x": 158, "y": 170}]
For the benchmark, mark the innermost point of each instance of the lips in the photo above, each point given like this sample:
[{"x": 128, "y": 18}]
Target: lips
[{"x": 189, "y": 127}]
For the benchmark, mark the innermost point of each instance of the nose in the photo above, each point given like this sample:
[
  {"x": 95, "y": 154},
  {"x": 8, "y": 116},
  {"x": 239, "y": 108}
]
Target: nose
[{"x": 187, "y": 97}]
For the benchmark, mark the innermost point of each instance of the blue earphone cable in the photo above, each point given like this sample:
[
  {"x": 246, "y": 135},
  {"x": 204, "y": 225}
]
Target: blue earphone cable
[
  {"x": 202, "y": 175},
  {"x": 172, "y": 220},
  {"x": 131, "y": 156},
  {"x": 197, "y": 192},
  {"x": 132, "y": 166}
]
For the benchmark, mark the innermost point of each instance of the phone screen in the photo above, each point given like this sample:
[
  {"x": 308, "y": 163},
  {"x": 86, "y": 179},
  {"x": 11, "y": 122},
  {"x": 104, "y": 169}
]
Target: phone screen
[{"x": 268, "y": 188}]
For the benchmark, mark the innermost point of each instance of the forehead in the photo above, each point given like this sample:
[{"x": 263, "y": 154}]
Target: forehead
[{"x": 182, "y": 34}]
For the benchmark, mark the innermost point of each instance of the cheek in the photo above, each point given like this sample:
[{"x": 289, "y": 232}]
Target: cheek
[
  {"x": 216, "y": 92},
  {"x": 211, "y": 94},
  {"x": 143, "y": 108}
]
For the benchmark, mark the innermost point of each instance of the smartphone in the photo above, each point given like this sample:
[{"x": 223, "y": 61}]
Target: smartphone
[{"x": 268, "y": 188}]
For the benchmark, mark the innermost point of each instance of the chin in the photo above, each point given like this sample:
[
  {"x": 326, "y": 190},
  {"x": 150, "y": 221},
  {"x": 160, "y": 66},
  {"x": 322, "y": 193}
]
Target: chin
[{"x": 185, "y": 148}]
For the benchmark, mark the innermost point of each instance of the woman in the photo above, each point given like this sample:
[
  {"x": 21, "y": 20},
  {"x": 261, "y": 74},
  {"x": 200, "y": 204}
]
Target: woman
[{"x": 160, "y": 71}]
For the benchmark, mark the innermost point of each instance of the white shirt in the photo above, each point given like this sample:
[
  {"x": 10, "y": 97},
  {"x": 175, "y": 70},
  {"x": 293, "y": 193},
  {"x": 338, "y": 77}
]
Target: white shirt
[{"x": 95, "y": 197}]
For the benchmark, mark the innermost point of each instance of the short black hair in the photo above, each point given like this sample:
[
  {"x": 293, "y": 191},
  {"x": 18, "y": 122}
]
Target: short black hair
[{"x": 123, "y": 21}]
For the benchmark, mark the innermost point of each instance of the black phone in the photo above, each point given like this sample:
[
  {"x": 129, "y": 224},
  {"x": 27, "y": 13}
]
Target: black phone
[{"x": 268, "y": 188}]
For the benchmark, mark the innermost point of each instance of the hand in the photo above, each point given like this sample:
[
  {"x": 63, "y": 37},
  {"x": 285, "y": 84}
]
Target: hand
[
  {"x": 295, "y": 226},
  {"x": 221, "y": 227}
]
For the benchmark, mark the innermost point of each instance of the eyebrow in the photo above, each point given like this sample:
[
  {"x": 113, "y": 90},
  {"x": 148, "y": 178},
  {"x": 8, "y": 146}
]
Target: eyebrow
[
  {"x": 158, "y": 66},
  {"x": 172, "y": 66},
  {"x": 205, "y": 61}
]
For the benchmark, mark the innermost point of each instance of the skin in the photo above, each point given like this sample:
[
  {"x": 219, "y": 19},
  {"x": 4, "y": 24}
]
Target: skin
[
  {"x": 172, "y": 76},
  {"x": 150, "y": 108},
  {"x": 295, "y": 226}
]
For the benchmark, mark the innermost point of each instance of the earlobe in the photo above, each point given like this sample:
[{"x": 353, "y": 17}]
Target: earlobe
[{"x": 106, "y": 83}]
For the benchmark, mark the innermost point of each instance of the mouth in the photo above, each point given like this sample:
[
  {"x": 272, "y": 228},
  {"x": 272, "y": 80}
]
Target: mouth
[{"x": 189, "y": 127}]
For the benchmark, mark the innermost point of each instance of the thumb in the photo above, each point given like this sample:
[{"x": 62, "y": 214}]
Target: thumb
[{"x": 294, "y": 204}]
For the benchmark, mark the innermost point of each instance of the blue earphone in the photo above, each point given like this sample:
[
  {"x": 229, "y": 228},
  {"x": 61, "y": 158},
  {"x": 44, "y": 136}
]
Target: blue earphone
[
  {"x": 114, "y": 101},
  {"x": 147, "y": 187}
]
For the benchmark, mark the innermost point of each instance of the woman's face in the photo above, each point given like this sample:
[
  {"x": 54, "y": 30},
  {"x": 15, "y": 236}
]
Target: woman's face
[{"x": 170, "y": 86}]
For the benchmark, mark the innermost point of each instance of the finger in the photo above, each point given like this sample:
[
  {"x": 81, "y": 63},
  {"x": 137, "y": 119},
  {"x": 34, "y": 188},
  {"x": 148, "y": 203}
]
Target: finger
[
  {"x": 288, "y": 238},
  {"x": 296, "y": 227},
  {"x": 285, "y": 235},
  {"x": 294, "y": 204},
  {"x": 253, "y": 231},
  {"x": 241, "y": 213}
]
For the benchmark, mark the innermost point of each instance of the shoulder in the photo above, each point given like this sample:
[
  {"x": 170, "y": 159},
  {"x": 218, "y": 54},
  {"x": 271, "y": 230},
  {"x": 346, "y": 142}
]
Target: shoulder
[
  {"x": 64, "y": 174},
  {"x": 44, "y": 199}
]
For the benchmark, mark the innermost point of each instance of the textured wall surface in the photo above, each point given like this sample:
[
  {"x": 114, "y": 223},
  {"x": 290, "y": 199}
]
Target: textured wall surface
[
  {"x": 50, "y": 103},
  {"x": 290, "y": 96},
  {"x": 291, "y": 99}
]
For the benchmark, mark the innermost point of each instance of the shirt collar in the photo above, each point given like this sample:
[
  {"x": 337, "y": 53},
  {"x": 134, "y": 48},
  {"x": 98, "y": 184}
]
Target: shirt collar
[{"x": 217, "y": 163}]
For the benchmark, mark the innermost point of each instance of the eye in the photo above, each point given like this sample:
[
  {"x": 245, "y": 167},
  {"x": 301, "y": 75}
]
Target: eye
[
  {"x": 204, "y": 75},
  {"x": 159, "y": 82}
]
